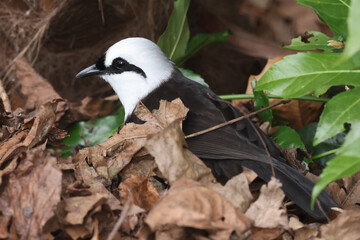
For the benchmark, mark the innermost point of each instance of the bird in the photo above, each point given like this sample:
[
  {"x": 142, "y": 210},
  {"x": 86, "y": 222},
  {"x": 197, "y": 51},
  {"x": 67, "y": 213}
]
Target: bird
[{"x": 137, "y": 69}]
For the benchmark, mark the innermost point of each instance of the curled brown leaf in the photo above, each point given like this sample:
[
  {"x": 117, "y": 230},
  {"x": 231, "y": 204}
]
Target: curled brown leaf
[
  {"x": 267, "y": 211},
  {"x": 193, "y": 205}
]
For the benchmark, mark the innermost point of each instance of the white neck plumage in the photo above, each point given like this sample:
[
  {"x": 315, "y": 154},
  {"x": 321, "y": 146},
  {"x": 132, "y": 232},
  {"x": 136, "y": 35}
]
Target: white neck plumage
[{"x": 132, "y": 87}]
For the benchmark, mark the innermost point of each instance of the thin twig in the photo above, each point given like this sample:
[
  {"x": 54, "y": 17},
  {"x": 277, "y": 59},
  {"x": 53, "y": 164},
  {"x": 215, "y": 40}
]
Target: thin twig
[
  {"x": 5, "y": 98},
  {"x": 322, "y": 210},
  {"x": 235, "y": 120},
  {"x": 35, "y": 42},
  {"x": 120, "y": 220},
  {"x": 265, "y": 147},
  {"x": 349, "y": 194},
  {"x": 251, "y": 96},
  {"x": 101, "y": 9}
]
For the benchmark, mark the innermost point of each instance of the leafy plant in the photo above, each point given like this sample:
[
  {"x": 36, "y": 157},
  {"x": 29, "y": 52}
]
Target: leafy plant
[
  {"x": 315, "y": 72},
  {"x": 93, "y": 131},
  {"x": 174, "y": 41},
  {"x": 324, "y": 151},
  {"x": 286, "y": 137}
]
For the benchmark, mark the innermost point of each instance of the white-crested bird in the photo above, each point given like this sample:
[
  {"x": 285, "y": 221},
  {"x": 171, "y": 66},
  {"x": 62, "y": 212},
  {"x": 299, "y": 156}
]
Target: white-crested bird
[{"x": 137, "y": 69}]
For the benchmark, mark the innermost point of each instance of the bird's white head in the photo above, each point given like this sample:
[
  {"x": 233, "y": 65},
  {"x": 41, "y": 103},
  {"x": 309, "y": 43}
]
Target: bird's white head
[{"x": 133, "y": 67}]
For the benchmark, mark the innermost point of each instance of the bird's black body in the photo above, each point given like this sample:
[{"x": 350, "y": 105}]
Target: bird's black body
[
  {"x": 136, "y": 68},
  {"x": 226, "y": 149}
]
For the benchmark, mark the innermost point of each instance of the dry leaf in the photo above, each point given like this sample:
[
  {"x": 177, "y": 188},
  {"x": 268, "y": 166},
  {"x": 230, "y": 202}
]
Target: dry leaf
[
  {"x": 345, "y": 226},
  {"x": 236, "y": 190},
  {"x": 295, "y": 224},
  {"x": 192, "y": 205},
  {"x": 32, "y": 193},
  {"x": 250, "y": 174},
  {"x": 267, "y": 211},
  {"x": 88, "y": 175},
  {"x": 78, "y": 207},
  {"x": 298, "y": 113},
  {"x": 167, "y": 113},
  {"x": 174, "y": 160},
  {"x": 352, "y": 186},
  {"x": 130, "y": 224},
  {"x": 86, "y": 216},
  {"x": 91, "y": 108},
  {"x": 139, "y": 190},
  {"x": 301, "y": 231},
  {"x": 336, "y": 192},
  {"x": 143, "y": 165},
  {"x": 306, "y": 233},
  {"x": 35, "y": 89},
  {"x": 264, "y": 233},
  {"x": 112, "y": 155},
  {"x": 43, "y": 122}
]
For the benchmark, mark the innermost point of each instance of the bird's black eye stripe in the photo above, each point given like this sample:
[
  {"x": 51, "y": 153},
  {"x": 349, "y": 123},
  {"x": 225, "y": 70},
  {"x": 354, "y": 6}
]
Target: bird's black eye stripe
[
  {"x": 120, "y": 65},
  {"x": 100, "y": 63}
]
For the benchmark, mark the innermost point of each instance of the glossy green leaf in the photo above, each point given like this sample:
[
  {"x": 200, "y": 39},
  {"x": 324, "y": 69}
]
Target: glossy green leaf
[
  {"x": 343, "y": 108},
  {"x": 311, "y": 41},
  {"x": 287, "y": 137},
  {"x": 94, "y": 131},
  {"x": 307, "y": 135},
  {"x": 202, "y": 40},
  {"x": 302, "y": 73},
  {"x": 345, "y": 164},
  {"x": 193, "y": 76},
  {"x": 333, "y": 12},
  {"x": 353, "y": 41},
  {"x": 173, "y": 41}
]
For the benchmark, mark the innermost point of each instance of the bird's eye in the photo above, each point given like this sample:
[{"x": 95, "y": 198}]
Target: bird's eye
[{"x": 119, "y": 63}]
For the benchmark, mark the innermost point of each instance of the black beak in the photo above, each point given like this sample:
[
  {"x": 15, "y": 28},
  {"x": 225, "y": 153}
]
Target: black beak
[{"x": 89, "y": 71}]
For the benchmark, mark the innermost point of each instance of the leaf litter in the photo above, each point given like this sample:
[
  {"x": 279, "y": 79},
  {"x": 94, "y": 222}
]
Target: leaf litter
[
  {"x": 83, "y": 196},
  {"x": 170, "y": 192}
]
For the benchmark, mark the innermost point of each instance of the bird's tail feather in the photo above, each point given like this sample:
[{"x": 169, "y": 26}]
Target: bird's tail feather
[{"x": 295, "y": 186}]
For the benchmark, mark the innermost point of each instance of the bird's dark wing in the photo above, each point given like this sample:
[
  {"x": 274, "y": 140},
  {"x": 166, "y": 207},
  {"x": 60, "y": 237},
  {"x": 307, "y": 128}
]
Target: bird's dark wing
[{"x": 226, "y": 149}]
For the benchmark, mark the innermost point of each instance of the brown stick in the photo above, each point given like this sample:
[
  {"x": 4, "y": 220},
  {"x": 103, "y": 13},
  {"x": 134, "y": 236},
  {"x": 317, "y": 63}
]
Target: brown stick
[
  {"x": 120, "y": 220},
  {"x": 235, "y": 120},
  {"x": 322, "y": 210},
  {"x": 265, "y": 147},
  {"x": 5, "y": 98}
]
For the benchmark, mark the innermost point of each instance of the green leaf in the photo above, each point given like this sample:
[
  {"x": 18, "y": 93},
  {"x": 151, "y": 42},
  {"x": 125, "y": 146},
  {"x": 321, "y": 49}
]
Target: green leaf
[
  {"x": 345, "y": 164},
  {"x": 302, "y": 73},
  {"x": 202, "y": 40},
  {"x": 261, "y": 100},
  {"x": 287, "y": 137},
  {"x": 94, "y": 131},
  {"x": 173, "y": 41},
  {"x": 333, "y": 12},
  {"x": 307, "y": 135},
  {"x": 311, "y": 41},
  {"x": 343, "y": 108},
  {"x": 193, "y": 76},
  {"x": 353, "y": 41}
]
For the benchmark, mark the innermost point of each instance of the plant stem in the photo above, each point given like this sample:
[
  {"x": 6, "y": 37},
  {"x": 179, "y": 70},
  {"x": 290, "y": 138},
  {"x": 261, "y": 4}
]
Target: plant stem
[
  {"x": 247, "y": 96},
  {"x": 324, "y": 154}
]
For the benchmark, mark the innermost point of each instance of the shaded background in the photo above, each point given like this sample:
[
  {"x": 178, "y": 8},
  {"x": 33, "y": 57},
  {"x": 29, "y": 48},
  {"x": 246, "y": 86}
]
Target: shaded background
[{"x": 59, "y": 38}]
